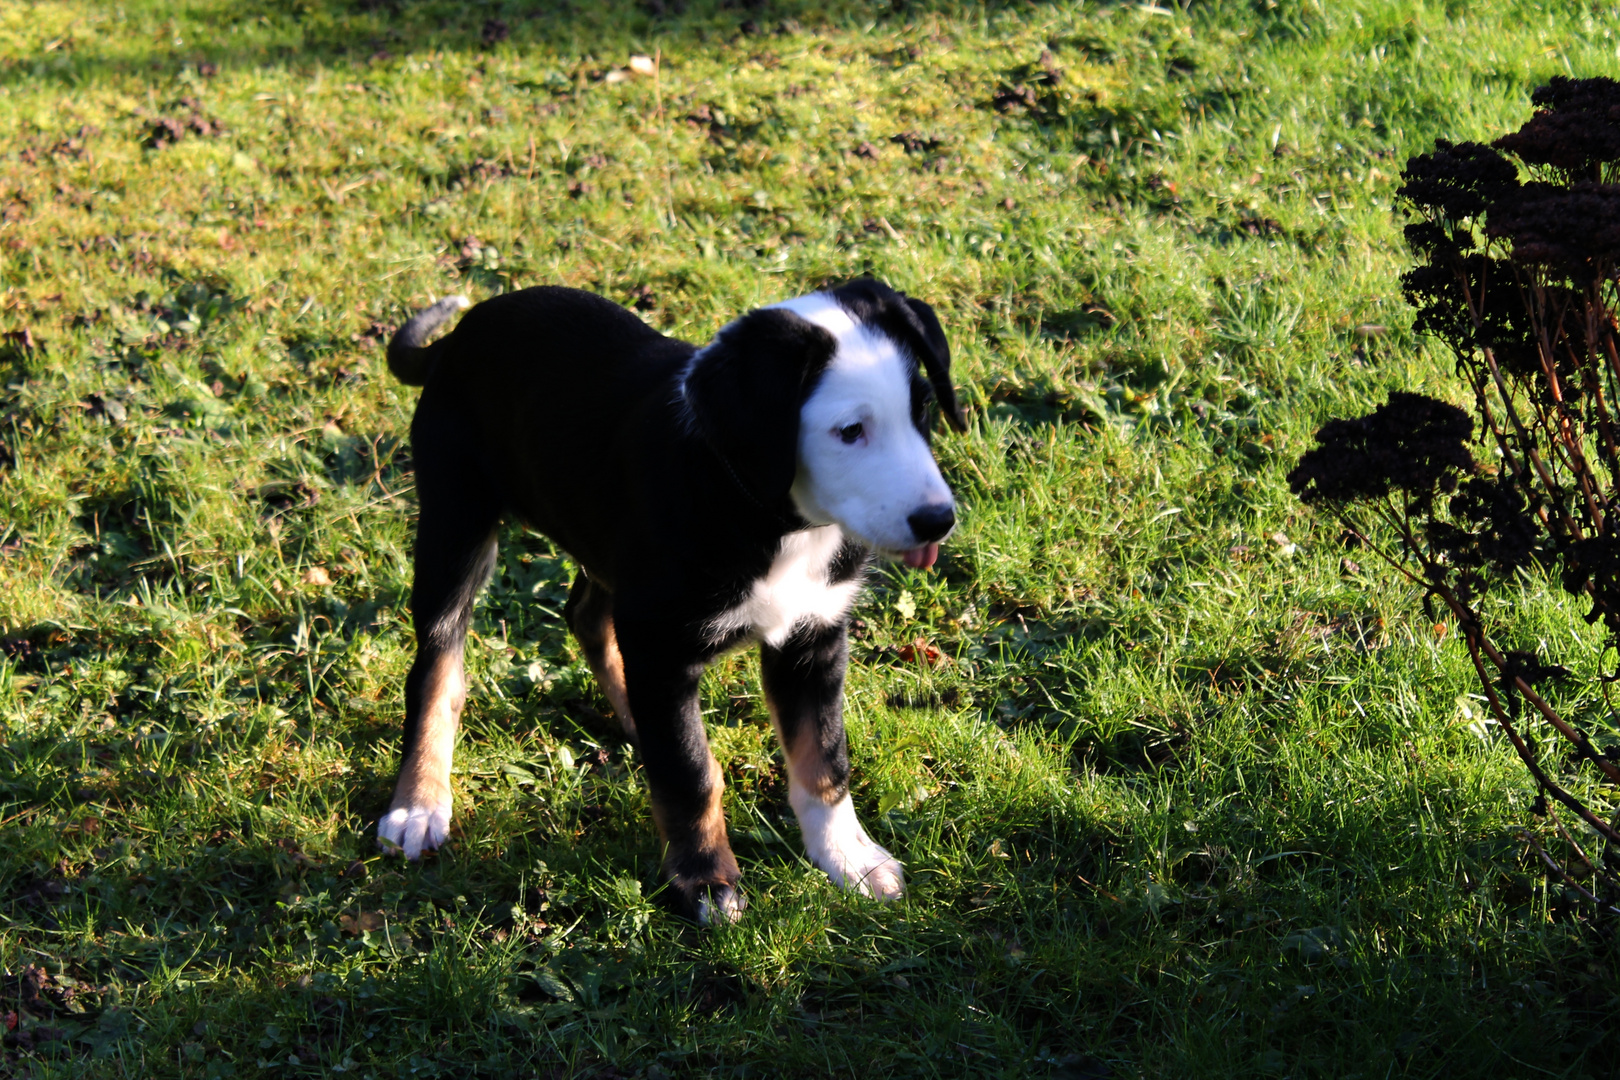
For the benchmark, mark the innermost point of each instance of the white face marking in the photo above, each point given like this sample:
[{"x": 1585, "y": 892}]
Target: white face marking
[
  {"x": 793, "y": 591},
  {"x": 863, "y": 465},
  {"x": 836, "y": 842}
]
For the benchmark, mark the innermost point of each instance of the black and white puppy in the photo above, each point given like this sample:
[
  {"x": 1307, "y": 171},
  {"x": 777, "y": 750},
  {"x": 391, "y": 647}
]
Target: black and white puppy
[{"x": 713, "y": 497}]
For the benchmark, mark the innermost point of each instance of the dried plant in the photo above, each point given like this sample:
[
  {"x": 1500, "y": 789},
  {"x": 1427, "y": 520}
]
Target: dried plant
[{"x": 1518, "y": 248}]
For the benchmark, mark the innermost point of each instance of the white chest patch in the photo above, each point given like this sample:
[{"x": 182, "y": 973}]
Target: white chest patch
[{"x": 795, "y": 590}]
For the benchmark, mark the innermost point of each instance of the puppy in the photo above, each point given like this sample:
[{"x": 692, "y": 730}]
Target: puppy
[{"x": 712, "y": 497}]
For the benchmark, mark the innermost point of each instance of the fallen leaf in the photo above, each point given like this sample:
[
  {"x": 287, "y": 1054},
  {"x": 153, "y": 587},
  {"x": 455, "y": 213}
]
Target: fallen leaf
[
  {"x": 364, "y": 922},
  {"x": 919, "y": 649},
  {"x": 293, "y": 852},
  {"x": 315, "y": 575}
]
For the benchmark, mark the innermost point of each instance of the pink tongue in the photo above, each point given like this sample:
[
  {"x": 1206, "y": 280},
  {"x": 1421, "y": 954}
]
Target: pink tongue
[{"x": 921, "y": 558}]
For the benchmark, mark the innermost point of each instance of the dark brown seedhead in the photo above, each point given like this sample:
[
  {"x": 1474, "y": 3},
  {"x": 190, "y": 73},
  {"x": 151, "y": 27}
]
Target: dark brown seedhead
[
  {"x": 1575, "y": 131},
  {"x": 1412, "y": 444},
  {"x": 1570, "y": 229},
  {"x": 1456, "y": 181}
]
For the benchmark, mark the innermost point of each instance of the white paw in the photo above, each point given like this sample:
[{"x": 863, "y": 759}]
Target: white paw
[
  {"x": 723, "y": 905},
  {"x": 838, "y": 844},
  {"x": 866, "y": 868},
  {"x": 414, "y": 829}
]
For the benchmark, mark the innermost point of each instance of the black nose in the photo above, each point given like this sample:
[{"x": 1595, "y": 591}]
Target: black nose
[{"x": 931, "y": 522}]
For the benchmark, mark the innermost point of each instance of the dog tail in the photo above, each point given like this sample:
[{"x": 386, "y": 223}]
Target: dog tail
[{"x": 410, "y": 360}]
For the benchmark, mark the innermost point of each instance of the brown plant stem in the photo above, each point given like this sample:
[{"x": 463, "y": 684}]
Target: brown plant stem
[
  {"x": 1553, "y": 865},
  {"x": 1468, "y": 624},
  {"x": 1474, "y": 637}
]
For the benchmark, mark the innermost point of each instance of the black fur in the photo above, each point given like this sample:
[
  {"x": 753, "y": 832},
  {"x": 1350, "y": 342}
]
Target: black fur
[
  {"x": 745, "y": 395},
  {"x": 408, "y": 358},
  {"x": 665, "y": 474},
  {"x": 806, "y": 680}
]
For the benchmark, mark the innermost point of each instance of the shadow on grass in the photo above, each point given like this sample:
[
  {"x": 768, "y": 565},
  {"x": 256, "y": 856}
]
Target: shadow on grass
[
  {"x": 548, "y": 954},
  {"x": 304, "y": 34}
]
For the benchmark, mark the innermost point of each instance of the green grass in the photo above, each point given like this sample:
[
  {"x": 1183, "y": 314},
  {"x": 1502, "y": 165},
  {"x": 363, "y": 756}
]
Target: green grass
[{"x": 1190, "y": 794}]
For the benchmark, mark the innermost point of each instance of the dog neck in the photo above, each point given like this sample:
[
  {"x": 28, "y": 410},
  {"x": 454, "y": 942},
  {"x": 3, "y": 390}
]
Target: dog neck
[{"x": 784, "y": 517}]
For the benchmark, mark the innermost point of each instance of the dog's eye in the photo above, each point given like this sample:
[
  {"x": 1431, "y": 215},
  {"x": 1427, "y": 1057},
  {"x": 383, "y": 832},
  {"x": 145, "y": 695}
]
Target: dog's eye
[{"x": 851, "y": 433}]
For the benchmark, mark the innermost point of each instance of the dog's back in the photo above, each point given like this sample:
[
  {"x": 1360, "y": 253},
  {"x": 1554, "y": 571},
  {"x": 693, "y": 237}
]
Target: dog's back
[
  {"x": 556, "y": 388},
  {"x": 545, "y": 331}
]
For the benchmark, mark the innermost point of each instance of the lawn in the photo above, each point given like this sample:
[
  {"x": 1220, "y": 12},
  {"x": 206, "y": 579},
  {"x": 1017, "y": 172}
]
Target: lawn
[{"x": 1185, "y": 786}]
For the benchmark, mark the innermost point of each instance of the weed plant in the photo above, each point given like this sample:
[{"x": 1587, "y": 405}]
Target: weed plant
[
  {"x": 1183, "y": 787},
  {"x": 1518, "y": 277}
]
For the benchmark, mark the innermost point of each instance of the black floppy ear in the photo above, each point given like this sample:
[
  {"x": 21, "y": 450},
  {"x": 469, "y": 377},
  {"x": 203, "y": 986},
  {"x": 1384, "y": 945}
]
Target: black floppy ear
[
  {"x": 936, "y": 359},
  {"x": 745, "y": 390},
  {"x": 912, "y": 323}
]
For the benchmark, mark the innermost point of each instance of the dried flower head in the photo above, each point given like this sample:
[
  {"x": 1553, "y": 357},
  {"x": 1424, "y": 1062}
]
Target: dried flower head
[
  {"x": 1567, "y": 229},
  {"x": 1518, "y": 248},
  {"x": 1456, "y": 181},
  {"x": 1576, "y": 130},
  {"x": 1412, "y": 444},
  {"x": 1491, "y": 529}
]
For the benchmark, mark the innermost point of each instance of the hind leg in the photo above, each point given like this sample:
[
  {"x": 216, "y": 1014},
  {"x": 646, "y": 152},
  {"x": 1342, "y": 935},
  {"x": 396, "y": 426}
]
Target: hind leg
[
  {"x": 455, "y": 552},
  {"x": 589, "y": 612}
]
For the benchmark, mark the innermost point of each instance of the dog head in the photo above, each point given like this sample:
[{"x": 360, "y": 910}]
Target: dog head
[{"x": 824, "y": 399}]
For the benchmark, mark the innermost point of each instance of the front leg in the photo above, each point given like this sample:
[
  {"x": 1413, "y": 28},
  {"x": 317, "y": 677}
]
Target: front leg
[
  {"x": 804, "y": 690},
  {"x": 683, "y": 779}
]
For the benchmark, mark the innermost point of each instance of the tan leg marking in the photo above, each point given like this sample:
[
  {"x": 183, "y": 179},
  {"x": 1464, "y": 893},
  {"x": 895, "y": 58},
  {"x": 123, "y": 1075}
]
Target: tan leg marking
[
  {"x": 806, "y": 763},
  {"x": 608, "y": 664},
  {"x": 698, "y": 858},
  {"x": 833, "y": 836},
  {"x": 418, "y": 819},
  {"x": 708, "y": 832}
]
